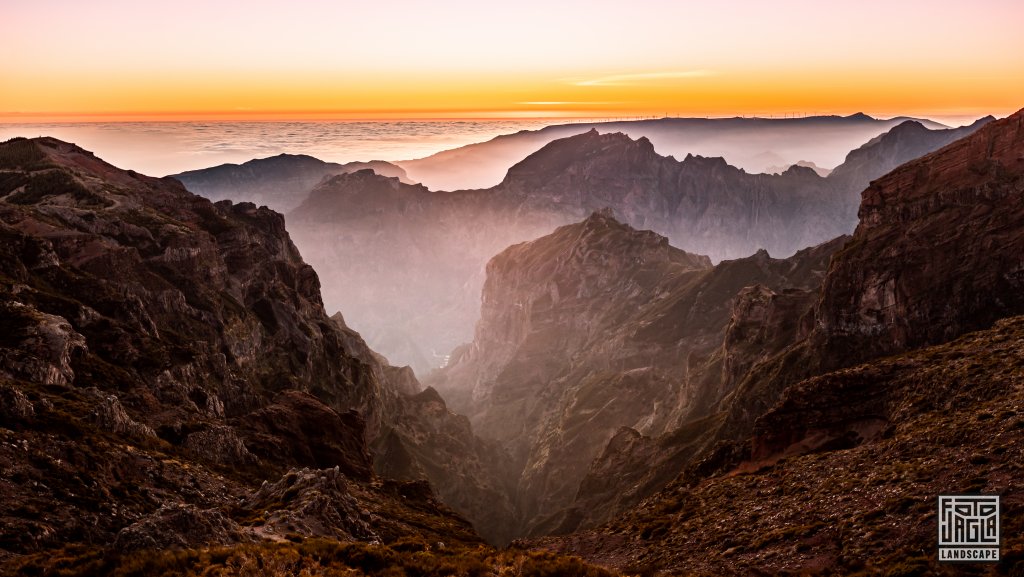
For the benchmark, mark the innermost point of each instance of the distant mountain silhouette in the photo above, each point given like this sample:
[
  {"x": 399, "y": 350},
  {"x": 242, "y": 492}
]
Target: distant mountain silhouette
[
  {"x": 753, "y": 144},
  {"x": 279, "y": 182}
]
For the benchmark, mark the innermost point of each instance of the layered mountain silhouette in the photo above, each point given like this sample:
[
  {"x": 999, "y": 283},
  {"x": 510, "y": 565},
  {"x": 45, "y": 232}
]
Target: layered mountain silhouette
[
  {"x": 753, "y": 144},
  {"x": 829, "y": 454},
  {"x": 175, "y": 398},
  {"x": 280, "y": 182},
  {"x": 407, "y": 263}
]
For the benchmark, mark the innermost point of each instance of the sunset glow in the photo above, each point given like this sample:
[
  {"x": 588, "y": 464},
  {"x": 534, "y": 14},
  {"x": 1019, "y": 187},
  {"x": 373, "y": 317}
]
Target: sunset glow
[{"x": 267, "y": 59}]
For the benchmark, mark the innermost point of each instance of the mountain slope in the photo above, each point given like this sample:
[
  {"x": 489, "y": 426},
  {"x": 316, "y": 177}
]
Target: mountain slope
[
  {"x": 947, "y": 421},
  {"x": 169, "y": 378},
  {"x": 901, "y": 144}
]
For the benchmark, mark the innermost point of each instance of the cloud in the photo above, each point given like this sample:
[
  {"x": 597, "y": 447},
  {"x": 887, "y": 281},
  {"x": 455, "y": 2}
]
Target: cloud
[
  {"x": 566, "y": 102},
  {"x": 641, "y": 78}
]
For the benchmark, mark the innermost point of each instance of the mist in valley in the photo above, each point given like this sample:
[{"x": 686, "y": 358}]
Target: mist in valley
[{"x": 405, "y": 264}]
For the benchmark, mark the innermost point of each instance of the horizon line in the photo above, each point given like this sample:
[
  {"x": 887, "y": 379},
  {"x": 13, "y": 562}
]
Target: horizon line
[{"x": 428, "y": 115}]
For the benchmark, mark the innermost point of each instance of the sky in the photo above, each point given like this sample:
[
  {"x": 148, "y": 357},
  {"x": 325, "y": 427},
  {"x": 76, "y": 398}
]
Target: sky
[{"x": 272, "y": 59}]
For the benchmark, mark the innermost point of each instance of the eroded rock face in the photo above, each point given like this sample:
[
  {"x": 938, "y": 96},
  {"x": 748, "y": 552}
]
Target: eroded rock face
[
  {"x": 316, "y": 502},
  {"x": 180, "y": 526},
  {"x": 597, "y": 327},
  {"x": 160, "y": 355},
  {"x": 938, "y": 251},
  {"x": 299, "y": 428}
]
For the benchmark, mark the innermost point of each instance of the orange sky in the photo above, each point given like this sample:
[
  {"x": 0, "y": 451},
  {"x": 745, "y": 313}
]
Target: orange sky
[{"x": 269, "y": 59}]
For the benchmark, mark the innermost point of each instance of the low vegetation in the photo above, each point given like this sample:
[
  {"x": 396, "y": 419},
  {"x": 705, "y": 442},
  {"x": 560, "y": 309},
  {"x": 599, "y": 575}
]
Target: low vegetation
[{"x": 312, "y": 558}]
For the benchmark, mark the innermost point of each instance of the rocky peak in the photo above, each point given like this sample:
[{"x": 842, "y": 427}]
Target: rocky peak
[
  {"x": 589, "y": 153},
  {"x": 599, "y": 326}
]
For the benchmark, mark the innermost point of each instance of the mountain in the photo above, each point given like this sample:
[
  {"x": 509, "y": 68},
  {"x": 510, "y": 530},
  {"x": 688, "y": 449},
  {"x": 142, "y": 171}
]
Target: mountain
[
  {"x": 753, "y": 144},
  {"x": 593, "y": 328},
  {"x": 170, "y": 382},
  {"x": 407, "y": 263},
  {"x": 280, "y": 182},
  {"x": 804, "y": 163},
  {"x": 903, "y": 143},
  {"x": 703, "y": 204},
  {"x": 829, "y": 455}
]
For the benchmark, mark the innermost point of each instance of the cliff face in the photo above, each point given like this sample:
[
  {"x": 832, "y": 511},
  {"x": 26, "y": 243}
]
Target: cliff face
[
  {"x": 596, "y": 327},
  {"x": 279, "y": 182},
  {"x": 161, "y": 356},
  {"x": 938, "y": 249},
  {"x": 936, "y": 255}
]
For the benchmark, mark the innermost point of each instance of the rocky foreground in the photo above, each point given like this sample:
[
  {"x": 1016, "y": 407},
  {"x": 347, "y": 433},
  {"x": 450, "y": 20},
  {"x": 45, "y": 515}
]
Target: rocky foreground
[{"x": 170, "y": 381}]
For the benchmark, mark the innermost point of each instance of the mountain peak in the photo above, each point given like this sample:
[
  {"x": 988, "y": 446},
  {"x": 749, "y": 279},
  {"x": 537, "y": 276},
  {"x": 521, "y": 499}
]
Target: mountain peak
[
  {"x": 859, "y": 116},
  {"x": 586, "y": 152}
]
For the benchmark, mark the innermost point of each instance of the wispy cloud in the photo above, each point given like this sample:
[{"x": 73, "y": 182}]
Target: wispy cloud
[
  {"x": 641, "y": 78},
  {"x": 567, "y": 102}
]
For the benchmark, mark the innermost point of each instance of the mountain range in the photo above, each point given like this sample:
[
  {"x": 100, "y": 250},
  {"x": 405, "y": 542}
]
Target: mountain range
[
  {"x": 829, "y": 454},
  {"x": 279, "y": 182},
  {"x": 175, "y": 399},
  {"x": 753, "y": 144},
  {"x": 407, "y": 263}
]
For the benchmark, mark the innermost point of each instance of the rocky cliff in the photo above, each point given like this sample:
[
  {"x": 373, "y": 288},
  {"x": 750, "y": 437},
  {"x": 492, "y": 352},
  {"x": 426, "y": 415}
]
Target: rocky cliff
[
  {"x": 169, "y": 378},
  {"x": 938, "y": 248},
  {"x": 599, "y": 326}
]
